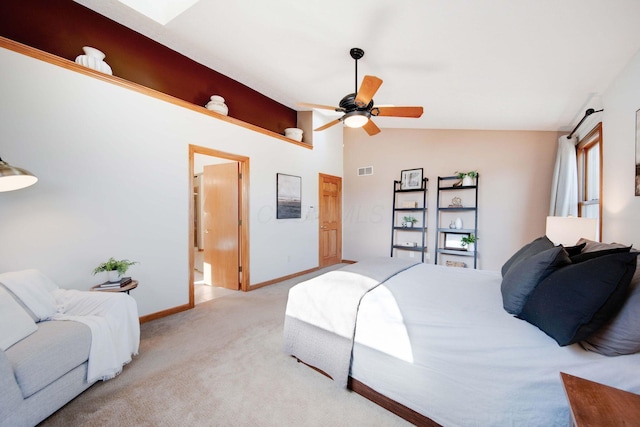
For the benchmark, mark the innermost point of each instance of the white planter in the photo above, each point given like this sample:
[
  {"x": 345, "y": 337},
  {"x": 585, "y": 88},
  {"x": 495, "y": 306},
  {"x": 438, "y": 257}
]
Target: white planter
[
  {"x": 293, "y": 133},
  {"x": 114, "y": 276},
  {"x": 471, "y": 247},
  {"x": 467, "y": 181}
]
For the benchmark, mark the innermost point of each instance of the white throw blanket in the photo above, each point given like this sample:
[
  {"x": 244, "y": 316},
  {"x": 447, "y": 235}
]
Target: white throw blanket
[{"x": 112, "y": 318}]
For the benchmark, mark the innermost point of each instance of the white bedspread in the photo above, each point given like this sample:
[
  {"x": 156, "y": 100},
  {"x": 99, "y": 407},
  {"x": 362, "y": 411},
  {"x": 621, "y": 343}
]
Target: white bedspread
[
  {"x": 112, "y": 318},
  {"x": 437, "y": 340}
]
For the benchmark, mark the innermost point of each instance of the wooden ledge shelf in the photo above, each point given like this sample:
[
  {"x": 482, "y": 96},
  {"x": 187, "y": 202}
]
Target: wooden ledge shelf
[{"x": 70, "y": 65}]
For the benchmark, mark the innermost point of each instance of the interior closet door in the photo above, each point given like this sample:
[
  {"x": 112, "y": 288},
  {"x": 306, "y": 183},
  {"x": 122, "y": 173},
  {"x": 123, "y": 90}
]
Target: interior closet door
[
  {"x": 221, "y": 222},
  {"x": 330, "y": 219}
]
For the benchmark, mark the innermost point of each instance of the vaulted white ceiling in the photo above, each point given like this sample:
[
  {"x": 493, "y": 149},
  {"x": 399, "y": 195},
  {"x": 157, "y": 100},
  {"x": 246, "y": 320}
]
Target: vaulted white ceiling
[{"x": 472, "y": 64}]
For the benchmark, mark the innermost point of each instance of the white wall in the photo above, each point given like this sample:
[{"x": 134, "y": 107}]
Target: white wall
[
  {"x": 113, "y": 181},
  {"x": 621, "y": 211},
  {"x": 515, "y": 183}
]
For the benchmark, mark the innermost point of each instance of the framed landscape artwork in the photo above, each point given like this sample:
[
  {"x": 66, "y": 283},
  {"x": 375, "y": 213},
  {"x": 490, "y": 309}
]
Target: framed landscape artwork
[
  {"x": 411, "y": 179},
  {"x": 289, "y": 196}
]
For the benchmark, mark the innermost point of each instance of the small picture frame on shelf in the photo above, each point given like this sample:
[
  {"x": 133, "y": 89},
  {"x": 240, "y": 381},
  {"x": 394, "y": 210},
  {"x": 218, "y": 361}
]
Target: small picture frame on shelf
[
  {"x": 453, "y": 241},
  {"x": 411, "y": 179}
]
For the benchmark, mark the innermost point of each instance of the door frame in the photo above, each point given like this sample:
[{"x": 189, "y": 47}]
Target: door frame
[{"x": 243, "y": 209}]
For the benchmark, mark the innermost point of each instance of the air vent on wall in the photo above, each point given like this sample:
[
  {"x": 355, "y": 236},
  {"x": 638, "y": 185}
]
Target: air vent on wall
[{"x": 367, "y": 170}]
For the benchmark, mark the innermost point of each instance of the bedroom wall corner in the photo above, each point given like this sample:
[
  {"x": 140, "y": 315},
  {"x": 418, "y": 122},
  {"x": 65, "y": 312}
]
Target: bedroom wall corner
[
  {"x": 621, "y": 208},
  {"x": 513, "y": 195}
]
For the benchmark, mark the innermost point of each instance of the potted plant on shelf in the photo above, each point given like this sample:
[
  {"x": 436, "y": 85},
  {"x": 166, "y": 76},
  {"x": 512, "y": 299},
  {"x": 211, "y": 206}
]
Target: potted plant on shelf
[
  {"x": 468, "y": 178},
  {"x": 409, "y": 221},
  {"x": 114, "y": 268},
  {"x": 469, "y": 242}
]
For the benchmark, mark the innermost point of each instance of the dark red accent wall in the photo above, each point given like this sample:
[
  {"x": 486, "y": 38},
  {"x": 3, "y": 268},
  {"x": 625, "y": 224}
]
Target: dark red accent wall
[{"x": 62, "y": 27}]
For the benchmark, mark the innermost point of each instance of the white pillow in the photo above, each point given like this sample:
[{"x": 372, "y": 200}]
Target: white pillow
[
  {"x": 15, "y": 323},
  {"x": 34, "y": 289}
]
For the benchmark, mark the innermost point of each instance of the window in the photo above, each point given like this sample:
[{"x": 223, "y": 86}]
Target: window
[{"x": 590, "y": 176}]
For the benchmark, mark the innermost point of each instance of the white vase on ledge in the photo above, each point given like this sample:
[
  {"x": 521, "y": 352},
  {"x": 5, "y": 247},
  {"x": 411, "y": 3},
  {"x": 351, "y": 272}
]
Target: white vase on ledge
[
  {"x": 217, "y": 104},
  {"x": 458, "y": 223},
  {"x": 293, "y": 133},
  {"x": 467, "y": 181},
  {"x": 94, "y": 59}
]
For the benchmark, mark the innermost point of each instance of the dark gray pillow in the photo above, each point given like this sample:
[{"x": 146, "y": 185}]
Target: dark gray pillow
[
  {"x": 575, "y": 301},
  {"x": 523, "y": 277},
  {"x": 584, "y": 256},
  {"x": 575, "y": 250},
  {"x": 538, "y": 245},
  {"x": 621, "y": 334}
]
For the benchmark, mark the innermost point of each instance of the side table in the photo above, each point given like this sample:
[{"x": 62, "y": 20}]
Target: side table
[
  {"x": 595, "y": 404},
  {"x": 126, "y": 288}
]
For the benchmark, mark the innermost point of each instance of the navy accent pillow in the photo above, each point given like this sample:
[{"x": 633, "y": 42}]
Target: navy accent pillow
[
  {"x": 575, "y": 301},
  {"x": 538, "y": 245},
  {"x": 595, "y": 254},
  {"x": 575, "y": 250},
  {"x": 523, "y": 277}
]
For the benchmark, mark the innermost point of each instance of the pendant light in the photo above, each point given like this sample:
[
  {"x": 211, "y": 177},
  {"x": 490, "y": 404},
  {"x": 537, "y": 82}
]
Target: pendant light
[{"x": 13, "y": 178}]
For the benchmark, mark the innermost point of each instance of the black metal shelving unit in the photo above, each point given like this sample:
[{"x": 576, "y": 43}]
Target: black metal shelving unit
[
  {"x": 446, "y": 214},
  {"x": 402, "y": 236}
]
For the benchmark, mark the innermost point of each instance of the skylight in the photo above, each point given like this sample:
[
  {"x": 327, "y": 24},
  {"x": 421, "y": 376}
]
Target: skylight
[{"x": 161, "y": 11}]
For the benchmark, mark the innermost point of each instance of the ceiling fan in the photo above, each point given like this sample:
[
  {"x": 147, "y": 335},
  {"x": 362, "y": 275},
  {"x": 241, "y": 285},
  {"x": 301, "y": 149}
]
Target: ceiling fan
[{"x": 358, "y": 107}]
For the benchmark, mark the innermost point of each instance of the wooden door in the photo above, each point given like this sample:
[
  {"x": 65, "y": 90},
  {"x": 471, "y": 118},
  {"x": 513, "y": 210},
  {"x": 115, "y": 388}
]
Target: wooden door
[
  {"x": 330, "y": 218},
  {"x": 221, "y": 223}
]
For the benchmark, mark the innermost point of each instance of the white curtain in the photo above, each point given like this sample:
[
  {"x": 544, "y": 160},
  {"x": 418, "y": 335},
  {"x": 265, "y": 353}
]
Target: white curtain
[{"x": 564, "y": 189}]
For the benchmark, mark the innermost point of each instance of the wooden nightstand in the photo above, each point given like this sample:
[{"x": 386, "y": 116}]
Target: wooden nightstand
[{"x": 595, "y": 404}]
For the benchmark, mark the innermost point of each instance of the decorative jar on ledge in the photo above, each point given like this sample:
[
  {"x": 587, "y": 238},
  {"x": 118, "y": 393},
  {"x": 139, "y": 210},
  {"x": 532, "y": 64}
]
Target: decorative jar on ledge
[
  {"x": 93, "y": 58},
  {"x": 293, "y": 133},
  {"x": 217, "y": 104}
]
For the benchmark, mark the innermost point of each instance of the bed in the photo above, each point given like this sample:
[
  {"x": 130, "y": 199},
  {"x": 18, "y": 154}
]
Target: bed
[{"x": 436, "y": 344}]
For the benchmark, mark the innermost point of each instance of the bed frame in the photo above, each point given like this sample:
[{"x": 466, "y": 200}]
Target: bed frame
[{"x": 390, "y": 405}]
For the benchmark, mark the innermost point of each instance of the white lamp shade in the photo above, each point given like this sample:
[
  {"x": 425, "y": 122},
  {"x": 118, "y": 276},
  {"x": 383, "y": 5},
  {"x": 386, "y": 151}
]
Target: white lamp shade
[
  {"x": 13, "y": 178},
  {"x": 567, "y": 231}
]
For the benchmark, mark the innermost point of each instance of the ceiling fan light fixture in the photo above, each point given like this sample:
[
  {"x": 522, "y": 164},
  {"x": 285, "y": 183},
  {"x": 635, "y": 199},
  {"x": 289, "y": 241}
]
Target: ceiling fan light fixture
[{"x": 356, "y": 119}]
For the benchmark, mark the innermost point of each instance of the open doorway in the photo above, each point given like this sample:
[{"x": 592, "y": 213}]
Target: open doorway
[{"x": 218, "y": 224}]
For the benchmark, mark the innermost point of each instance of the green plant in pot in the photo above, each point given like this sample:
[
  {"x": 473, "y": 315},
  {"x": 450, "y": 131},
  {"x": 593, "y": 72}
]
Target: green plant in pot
[
  {"x": 115, "y": 268},
  {"x": 469, "y": 242},
  {"x": 409, "y": 221},
  {"x": 467, "y": 177}
]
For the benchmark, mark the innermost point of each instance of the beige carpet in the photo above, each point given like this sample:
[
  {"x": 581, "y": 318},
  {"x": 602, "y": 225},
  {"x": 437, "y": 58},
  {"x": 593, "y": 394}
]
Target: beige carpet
[{"x": 221, "y": 364}]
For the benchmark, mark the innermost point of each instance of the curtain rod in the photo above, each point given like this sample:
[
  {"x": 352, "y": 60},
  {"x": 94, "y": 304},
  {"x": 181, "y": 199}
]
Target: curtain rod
[{"x": 587, "y": 113}]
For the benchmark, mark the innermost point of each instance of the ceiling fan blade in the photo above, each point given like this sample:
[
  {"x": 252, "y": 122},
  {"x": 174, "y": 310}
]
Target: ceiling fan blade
[
  {"x": 399, "y": 111},
  {"x": 368, "y": 88},
  {"x": 328, "y": 125},
  {"x": 319, "y": 106},
  {"x": 371, "y": 128}
]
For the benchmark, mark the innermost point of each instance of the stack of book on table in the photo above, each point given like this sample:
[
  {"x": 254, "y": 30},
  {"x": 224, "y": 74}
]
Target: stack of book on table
[{"x": 114, "y": 285}]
